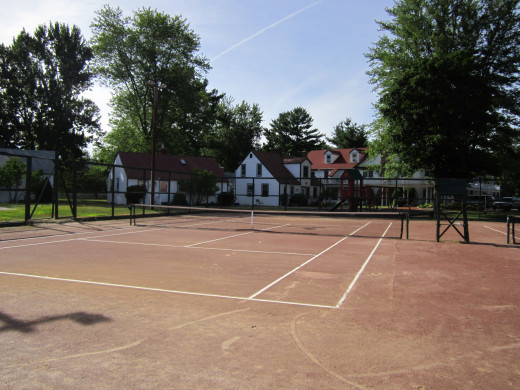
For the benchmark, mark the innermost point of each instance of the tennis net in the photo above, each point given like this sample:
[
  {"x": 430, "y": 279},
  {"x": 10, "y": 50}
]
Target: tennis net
[{"x": 364, "y": 224}]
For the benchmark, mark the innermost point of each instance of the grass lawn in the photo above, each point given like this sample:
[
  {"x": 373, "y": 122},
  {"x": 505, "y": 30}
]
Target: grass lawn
[{"x": 15, "y": 212}]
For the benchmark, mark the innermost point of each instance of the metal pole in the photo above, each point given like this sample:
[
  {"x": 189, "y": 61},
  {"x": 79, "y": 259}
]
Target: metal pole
[
  {"x": 28, "y": 190},
  {"x": 156, "y": 87},
  {"x": 57, "y": 168},
  {"x": 74, "y": 190},
  {"x": 113, "y": 191},
  {"x": 154, "y": 131}
]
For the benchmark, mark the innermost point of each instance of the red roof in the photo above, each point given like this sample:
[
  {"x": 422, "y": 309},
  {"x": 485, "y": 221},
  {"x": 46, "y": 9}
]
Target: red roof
[
  {"x": 167, "y": 167},
  {"x": 317, "y": 159},
  {"x": 274, "y": 161}
]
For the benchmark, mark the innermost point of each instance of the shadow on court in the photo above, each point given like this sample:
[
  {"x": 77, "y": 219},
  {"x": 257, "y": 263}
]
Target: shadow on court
[{"x": 10, "y": 323}]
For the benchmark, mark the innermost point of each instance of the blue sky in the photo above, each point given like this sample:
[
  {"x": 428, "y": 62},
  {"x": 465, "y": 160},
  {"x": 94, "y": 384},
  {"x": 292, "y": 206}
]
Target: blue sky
[{"x": 280, "y": 54}]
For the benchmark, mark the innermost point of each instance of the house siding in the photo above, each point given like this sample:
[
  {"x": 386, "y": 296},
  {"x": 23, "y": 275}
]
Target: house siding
[
  {"x": 164, "y": 190},
  {"x": 251, "y": 162}
]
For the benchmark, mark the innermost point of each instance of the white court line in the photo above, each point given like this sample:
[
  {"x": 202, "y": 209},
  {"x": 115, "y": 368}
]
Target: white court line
[
  {"x": 307, "y": 262},
  {"x": 498, "y": 231},
  {"x": 234, "y": 235},
  {"x": 351, "y": 286},
  {"x": 217, "y": 239},
  {"x": 200, "y": 248},
  {"x": 162, "y": 290},
  {"x": 74, "y": 239},
  {"x": 61, "y": 235}
]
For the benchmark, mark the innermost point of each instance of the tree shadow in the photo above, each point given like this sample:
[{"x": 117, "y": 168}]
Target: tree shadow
[{"x": 10, "y": 323}]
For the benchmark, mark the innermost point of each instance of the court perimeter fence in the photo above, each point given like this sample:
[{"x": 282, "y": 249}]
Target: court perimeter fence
[{"x": 37, "y": 188}]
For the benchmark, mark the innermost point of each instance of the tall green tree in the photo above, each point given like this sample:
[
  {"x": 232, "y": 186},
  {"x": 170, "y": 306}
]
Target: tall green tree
[
  {"x": 447, "y": 75},
  {"x": 348, "y": 134},
  {"x": 237, "y": 131},
  {"x": 153, "y": 46},
  {"x": 42, "y": 80},
  {"x": 292, "y": 133}
]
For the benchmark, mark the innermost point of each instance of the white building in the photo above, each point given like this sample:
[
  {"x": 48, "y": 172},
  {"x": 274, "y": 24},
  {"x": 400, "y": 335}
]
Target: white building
[
  {"x": 267, "y": 178},
  {"x": 132, "y": 168}
]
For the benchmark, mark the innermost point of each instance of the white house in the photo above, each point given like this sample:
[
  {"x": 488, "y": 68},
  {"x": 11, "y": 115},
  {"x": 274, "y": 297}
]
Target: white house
[
  {"x": 267, "y": 178},
  {"x": 132, "y": 168}
]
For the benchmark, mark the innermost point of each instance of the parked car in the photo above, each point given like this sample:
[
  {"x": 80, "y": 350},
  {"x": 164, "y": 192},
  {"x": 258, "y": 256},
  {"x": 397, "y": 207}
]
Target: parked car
[
  {"x": 507, "y": 203},
  {"x": 482, "y": 201}
]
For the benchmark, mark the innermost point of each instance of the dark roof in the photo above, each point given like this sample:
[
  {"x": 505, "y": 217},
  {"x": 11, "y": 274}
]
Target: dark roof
[
  {"x": 274, "y": 163},
  {"x": 293, "y": 160},
  {"x": 167, "y": 166}
]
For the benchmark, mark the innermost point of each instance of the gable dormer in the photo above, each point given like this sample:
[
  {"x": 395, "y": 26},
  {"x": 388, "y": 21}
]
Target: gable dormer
[
  {"x": 330, "y": 157},
  {"x": 354, "y": 156}
]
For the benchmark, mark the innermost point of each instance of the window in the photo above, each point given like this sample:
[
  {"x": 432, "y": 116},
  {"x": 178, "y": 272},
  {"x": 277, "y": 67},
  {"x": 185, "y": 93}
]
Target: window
[
  {"x": 305, "y": 171},
  {"x": 243, "y": 170},
  {"x": 164, "y": 187},
  {"x": 327, "y": 158},
  {"x": 354, "y": 156},
  {"x": 265, "y": 190},
  {"x": 258, "y": 170},
  {"x": 117, "y": 184},
  {"x": 250, "y": 189}
]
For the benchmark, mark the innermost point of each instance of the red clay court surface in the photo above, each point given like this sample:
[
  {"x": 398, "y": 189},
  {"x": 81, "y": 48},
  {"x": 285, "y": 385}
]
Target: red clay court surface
[{"x": 212, "y": 304}]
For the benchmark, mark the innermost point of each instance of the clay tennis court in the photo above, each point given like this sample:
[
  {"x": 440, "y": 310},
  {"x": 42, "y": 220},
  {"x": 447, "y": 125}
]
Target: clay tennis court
[{"x": 211, "y": 303}]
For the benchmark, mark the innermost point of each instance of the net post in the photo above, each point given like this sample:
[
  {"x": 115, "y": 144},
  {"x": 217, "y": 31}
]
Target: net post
[
  {"x": 513, "y": 230},
  {"x": 407, "y": 224},
  {"x": 252, "y": 219},
  {"x": 437, "y": 212},
  {"x": 508, "y": 228},
  {"x": 465, "y": 220}
]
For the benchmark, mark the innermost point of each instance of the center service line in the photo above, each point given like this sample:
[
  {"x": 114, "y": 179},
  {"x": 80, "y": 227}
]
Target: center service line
[
  {"x": 307, "y": 262},
  {"x": 351, "y": 286}
]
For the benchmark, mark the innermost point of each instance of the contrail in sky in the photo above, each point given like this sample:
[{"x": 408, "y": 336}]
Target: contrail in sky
[{"x": 265, "y": 29}]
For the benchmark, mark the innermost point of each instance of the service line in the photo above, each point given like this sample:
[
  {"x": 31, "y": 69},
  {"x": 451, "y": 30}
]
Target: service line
[
  {"x": 307, "y": 262},
  {"x": 351, "y": 286},
  {"x": 163, "y": 290}
]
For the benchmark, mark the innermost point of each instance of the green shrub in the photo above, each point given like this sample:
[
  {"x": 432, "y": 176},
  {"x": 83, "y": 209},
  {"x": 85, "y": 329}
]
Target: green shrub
[
  {"x": 135, "y": 194},
  {"x": 298, "y": 200},
  {"x": 226, "y": 199},
  {"x": 179, "y": 199}
]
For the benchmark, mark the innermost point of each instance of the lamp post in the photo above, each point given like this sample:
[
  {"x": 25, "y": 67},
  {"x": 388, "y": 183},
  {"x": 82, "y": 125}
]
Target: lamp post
[{"x": 156, "y": 87}]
